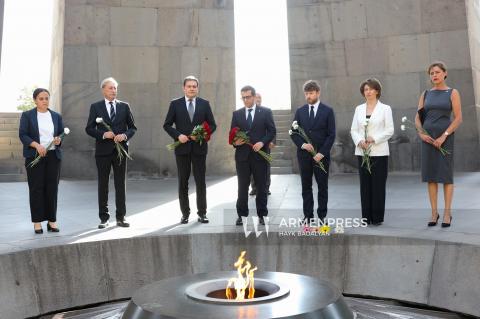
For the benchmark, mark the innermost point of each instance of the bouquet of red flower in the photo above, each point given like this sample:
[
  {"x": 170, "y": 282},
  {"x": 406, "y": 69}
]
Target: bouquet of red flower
[
  {"x": 202, "y": 133},
  {"x": 236, "y": 134}
]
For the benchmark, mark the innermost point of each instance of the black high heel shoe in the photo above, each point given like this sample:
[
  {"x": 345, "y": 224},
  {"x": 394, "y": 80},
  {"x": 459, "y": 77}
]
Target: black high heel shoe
[
  {"x": 431, "y": 224},
  {"x": 38, "y": 231},
  {"x": 52, "y": 229},
  {"x": 445, "y": 225}
]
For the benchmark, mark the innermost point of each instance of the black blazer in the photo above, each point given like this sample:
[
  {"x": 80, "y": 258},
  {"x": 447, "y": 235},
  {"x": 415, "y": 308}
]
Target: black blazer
[
  {"x": 178, "y": 115},
  {"x": 28, "y": 131},
  {"x": 262, "y": 130},
  {"x": 322, "y": 133},
  {"x": 123, "y": 124}
]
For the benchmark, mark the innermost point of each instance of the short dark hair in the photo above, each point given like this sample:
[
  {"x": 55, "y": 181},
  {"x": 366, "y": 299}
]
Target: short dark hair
[
  {"x": 190, "y": 78},
  {"x": 38, "y": 91},
  {"x": 372, "y": 83},
  {"x": 439, "y": 64},
  {"x": 310, "y": 86},
  {"x": 248, "y": 88}
]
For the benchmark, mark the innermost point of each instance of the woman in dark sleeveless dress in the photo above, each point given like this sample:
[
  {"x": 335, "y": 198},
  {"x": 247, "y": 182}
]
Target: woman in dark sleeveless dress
[{"x": 438, "y": 104}]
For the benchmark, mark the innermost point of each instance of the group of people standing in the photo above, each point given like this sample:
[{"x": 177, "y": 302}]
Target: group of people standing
[{"x": 112, "y": 125}]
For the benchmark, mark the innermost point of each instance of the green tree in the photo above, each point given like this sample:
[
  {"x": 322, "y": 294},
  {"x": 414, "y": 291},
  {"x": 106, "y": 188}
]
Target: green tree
[{"x": 26, "y": 99}]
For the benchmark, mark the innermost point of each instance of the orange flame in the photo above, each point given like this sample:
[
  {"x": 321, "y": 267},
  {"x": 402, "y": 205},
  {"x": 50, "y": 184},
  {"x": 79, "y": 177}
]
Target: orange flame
[{"x": 240, "y": 284}]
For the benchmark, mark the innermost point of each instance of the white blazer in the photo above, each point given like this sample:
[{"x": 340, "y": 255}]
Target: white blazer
[{"x": 380, "y": 128}]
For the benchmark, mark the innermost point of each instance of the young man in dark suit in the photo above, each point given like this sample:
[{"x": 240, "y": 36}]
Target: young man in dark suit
[
  {"x": 118, "y": 116},
  {"x": 318, "y": 121},
  {"x": 186, "y": 113},
  {"x": 258, "y": 122}
]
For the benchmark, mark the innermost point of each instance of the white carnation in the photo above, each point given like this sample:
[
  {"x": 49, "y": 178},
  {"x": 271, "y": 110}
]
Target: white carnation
[
  {"x": 404, "y": 119},
  {"x": 99, "y": 120},
  {"x": 66, "y": 131},
  {"x": 402, "y": 127},
  {"x": 290, "y": 132}
]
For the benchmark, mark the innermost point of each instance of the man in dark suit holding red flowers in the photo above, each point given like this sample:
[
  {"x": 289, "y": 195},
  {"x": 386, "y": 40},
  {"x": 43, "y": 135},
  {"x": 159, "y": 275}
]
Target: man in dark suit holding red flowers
[
  {"x": 186, "y": 113},
  {"x": 257, "y": 122}
]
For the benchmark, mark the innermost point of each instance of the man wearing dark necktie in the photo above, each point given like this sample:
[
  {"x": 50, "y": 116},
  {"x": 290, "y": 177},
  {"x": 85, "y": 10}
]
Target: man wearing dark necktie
[
  {"x": 118, "y": 116},
  {"x": 186, "y": 113},
  {"x": 258, "y": 122},
  {"x": 318, "y": 121}
]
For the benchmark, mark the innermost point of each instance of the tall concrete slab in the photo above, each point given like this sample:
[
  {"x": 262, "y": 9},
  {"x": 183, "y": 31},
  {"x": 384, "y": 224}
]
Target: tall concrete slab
[
  {"x": 149, "y": 46},
  {"x": 343, "y": 42}
]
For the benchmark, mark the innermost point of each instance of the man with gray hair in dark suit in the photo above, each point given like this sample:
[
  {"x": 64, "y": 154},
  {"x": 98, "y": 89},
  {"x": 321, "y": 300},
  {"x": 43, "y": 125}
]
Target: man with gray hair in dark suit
[{"x": 118, "y": 116}]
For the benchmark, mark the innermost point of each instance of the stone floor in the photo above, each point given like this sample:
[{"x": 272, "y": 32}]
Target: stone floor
[{"x": 153, "y": 209}]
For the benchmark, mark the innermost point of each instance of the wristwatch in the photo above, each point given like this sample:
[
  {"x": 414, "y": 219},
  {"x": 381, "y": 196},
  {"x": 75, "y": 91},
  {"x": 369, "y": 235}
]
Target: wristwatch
[{"x": 446, "y": 133}]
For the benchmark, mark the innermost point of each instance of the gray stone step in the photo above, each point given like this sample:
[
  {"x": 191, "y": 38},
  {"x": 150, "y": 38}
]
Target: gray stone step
[
  {"x": 281, "y": 112},
  {"x": 11, "y": 154},
  {"x": 281, "y": 149},
  {"x": 283, "y": 118},
  {"x": 282, "y": 163},
  {"x": 9, "y": 140},
  {"x": 281, "y": 170},
  {"x": 283, "y": 142},
  {"x": 282, "y": 135},
  {"x": 277, "y": 155},
  {"x": 9, "y": 120},
  {"x": 9, "y": 127},
  {"x": 9, "y": 133},
  {"x": 10, "y": 147},
  {"x": 12, "y": 166},
  {"x": 15, "y": 115},
  {"x": 6, "y": 178}
]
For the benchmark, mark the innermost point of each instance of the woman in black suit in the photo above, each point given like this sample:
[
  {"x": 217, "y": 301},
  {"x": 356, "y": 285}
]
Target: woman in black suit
[{"x": 38, "y": 128}]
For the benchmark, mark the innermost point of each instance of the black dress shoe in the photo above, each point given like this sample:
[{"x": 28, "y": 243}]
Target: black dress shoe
[
  {"x": 253, "y": 192},
  {"x": 377, "y": 223},
  {"x": 123, "y": 223},
  {"x": 261, "y": 220},
  {"x": 203, "y": 219},
  {"x": 103, "y": 224},
  {"x": 431, "y": 224},
  {"x": 445, "y": 225},
  {"x": 52, "y": 229},
  {"x": 184, "y": 220},
  {"x": 38, "y": 231},
  {"x": 239, "y": 221}
]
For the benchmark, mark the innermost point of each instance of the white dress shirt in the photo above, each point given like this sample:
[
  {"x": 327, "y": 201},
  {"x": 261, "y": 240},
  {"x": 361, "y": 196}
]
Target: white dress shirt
[
  {"x": 315, "y": 108},
  {"x": 380, "y": 128},
  {"x": 46, "y": 129}
]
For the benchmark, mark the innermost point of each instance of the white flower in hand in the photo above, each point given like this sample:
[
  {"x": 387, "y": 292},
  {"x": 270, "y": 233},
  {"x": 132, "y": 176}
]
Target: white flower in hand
[
  {"x": 404, "y": 119},
  {"x": 99, "y": 120},
  {"x": 402, "y": 127},
  {"x": 295, "y": 125},
  {"x": 290, "y": 132},
  {"x": 66, "y": 130}
]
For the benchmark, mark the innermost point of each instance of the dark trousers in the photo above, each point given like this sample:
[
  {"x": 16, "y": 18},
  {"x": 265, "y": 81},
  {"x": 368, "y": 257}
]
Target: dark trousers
[
  {"x": 104, "y": 165},
  {"x": 373, "y": 187},
  {"x": 184, "y": 165},
  {"x": 43, "y": 181},
  {"x": 307, "y": 169},
  {"x": 269, "y": 181},
  {"x": 257, "y": 167}
]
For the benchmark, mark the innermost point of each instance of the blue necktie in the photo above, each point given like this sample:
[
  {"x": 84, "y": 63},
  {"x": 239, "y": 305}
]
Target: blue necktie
[
  {"x": 249, "y": 119},
  {"x": 312, "y": 115},
  {"x": 112, "y": 112}
]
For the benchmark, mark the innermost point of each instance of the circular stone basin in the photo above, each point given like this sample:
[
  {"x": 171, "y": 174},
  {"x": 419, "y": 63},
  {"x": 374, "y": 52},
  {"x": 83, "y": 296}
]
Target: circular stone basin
[
  {"x": 281, "y": 295},
  {"x": 213, "y": 291}
]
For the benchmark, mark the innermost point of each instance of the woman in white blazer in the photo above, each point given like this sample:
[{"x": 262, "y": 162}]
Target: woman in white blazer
[{"x": 372, "y": 127}]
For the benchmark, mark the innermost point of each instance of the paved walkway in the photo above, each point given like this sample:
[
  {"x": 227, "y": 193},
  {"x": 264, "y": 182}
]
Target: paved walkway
[{"x": 153, "y": 208}]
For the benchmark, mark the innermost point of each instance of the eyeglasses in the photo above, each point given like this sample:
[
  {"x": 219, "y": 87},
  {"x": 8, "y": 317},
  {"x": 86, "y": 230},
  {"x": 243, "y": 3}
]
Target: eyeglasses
[{"x": 246, "y": 97}]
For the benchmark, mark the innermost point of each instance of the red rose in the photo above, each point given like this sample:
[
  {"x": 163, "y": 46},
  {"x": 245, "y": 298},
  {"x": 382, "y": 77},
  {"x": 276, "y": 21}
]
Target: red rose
[
  {"x": 208, "y": 131},
  {"x": 233, "y": 133}
]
